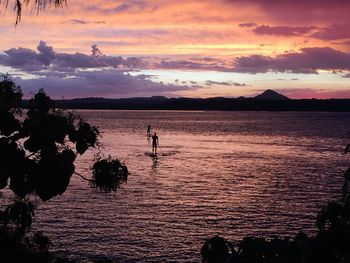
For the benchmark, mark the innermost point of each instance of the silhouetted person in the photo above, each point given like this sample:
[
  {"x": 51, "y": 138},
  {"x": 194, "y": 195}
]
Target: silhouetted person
[
  {"x": 155, "y": 142},
  {"x": 149, "y": 131}
]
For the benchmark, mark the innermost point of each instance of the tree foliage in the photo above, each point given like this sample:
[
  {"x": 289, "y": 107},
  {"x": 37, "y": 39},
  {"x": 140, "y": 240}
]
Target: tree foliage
[
  {"x": 108, "y": 175},
  {"x": 37, "y": 4},
  {"x": 37, "y": 154}
]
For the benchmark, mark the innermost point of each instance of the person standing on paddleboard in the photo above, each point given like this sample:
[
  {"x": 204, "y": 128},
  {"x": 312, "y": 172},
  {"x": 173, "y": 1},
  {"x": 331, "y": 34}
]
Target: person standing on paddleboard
[
  {"x": 155, "y": 143},
  {"x": 149, "y": 131}
]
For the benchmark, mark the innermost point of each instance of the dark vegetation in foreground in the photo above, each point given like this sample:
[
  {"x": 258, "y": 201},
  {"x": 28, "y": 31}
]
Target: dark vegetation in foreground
[
  {"x": 37, "y": 4},
  {"x": 37, "y": 154},
  {"x": 219, "y": 103}
]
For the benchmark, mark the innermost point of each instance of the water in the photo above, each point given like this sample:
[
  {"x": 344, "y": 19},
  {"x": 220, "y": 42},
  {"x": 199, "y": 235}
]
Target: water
[{"x": 227, "y": 173}]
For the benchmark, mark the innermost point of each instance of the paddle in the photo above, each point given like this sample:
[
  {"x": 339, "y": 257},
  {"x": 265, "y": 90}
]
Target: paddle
[{"x": 160, "y": 150}]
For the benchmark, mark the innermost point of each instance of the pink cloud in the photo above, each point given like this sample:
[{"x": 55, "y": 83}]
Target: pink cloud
[
  {"x": 307, "y": 60},
  {"x": 283, "y": 30},
  {"x": 334, "y": 32},
  {"x": 300, "y": 11}
]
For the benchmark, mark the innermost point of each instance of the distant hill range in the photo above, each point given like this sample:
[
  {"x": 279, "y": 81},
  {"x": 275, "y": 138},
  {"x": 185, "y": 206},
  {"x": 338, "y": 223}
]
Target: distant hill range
[{"x": 269, "y": 100}]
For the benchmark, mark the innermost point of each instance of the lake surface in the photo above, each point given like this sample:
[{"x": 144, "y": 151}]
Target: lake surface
[{"x": 227, "y": 173}]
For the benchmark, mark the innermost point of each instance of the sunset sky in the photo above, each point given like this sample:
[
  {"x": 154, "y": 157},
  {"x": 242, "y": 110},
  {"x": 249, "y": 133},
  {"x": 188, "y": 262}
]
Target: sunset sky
[{"x": 180, "y": 48}]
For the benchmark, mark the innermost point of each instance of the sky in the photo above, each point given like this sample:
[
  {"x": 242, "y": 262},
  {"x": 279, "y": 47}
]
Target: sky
[{"x": 182, "y": 48}]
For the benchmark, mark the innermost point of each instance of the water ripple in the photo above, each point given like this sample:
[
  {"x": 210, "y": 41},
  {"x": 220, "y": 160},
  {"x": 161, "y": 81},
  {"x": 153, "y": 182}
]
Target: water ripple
[{"x": 227, "y": 173}]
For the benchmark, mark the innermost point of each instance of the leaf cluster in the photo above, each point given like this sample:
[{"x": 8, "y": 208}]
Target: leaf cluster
[
  {"x": 38, "y": 4},
  {"x": 35, "y": 157},
  {"x": 38, "y": 151},
  {"x": 108, "y": 175}
]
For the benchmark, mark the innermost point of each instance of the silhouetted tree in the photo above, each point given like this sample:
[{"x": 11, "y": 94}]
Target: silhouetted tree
[
  {"x": 217, "y": 250},
  {"x": 37, "y": 154},
  {"x": 38, "y": 4}
]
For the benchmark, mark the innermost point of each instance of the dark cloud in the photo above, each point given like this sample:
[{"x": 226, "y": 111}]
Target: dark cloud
[
  {"x": 127, "y": 6},
  {"x": 81, "y": 75},
  {"x": 122, "y": 7},
  {"x": 309, "y": 60},
  {"x": 283, "y": 30},
  {"x": 341, "y": 43},
  {"x": 83, "y": 22},
  {"x": 299, "y": 11},
  {"x": 96, "y": 52},
  {"x": 145, "y": 76},
  {"x": 224, "y": 83},
  {"x": 77, "y": 21},
  {"x": 135, "y": 62},
  {"x": 65, "y": 66},
  {"x": 346, "y": 75},
  {"x": 207, "y": 60},
  {"x": 46, "y": 53},
  {"x": 27, "y": 59},
  {"x": 239, "y": 84},
  {"x": 211, "y": 82},
  {"x": 17, "y": 57},
  {"x": 247, "y": 25},
  {"x": 334, "y": 32}
]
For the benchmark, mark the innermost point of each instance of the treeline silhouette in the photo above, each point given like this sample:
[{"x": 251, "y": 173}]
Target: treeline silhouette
[
  {"x": 331, "y": 244},
  {"x": 218, "y": 103},
  {"x": 37, "y": 155}
]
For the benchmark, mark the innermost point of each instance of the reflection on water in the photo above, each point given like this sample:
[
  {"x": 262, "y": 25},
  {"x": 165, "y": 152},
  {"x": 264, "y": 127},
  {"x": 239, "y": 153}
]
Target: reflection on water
[
  {"x": 154, "y": 162},
  {"x": 226, "y": 173}
]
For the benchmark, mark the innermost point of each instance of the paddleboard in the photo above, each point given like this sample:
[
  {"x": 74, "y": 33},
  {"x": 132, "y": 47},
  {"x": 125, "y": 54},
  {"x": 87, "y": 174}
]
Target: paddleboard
[{"x": 151, "y": 154}]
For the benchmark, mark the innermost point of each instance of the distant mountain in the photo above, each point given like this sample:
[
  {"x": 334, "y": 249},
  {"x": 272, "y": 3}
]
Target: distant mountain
[{"x": 270, "y": 95}]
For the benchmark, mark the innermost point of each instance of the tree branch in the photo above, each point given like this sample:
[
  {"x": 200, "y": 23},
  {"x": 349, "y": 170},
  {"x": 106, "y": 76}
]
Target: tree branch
[{"x": 83, "y": 177}]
